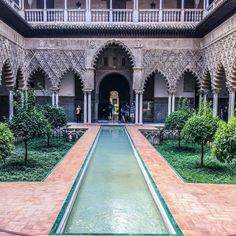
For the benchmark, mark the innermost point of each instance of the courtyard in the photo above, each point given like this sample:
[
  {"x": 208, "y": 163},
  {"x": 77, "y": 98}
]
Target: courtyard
[
  {"x": 31, "y": 208},
  {"x": 117, "y": 117}
]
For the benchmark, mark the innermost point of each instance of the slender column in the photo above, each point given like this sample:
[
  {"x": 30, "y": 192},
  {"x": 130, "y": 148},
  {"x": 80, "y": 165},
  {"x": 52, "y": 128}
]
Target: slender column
[
  {"x": 169, "y": 104},
  {"x": 65, "y": 11},
  {"x": 141, "y": 108},
  {"x": 11, "y": 104},
  {"x": 160, "y": 11},
  {"x": 89, "y": 108},
  {"x": 173, "y": 102},
  {"x": 56, "y": 99},
  {"x": 215, "y": 103},
  {"x": 182, "y": 10},
  {"x": 205, "y": 97},
  {"x": 111, "y": 18},
  {"x": 85, "y": 107},
  {"x": 53, "y": 98},
  {"x": 88, "y": 10},
  {"x": 44, "y": 10},
  {"x": 135, "y": 11},
  {"x": 231, "y": 104},
  {"x": 136, "y": 108}
]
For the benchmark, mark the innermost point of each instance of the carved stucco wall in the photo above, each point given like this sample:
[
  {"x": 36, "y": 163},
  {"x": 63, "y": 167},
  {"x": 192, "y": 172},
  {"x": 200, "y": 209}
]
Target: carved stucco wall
[{"x": 171, "y": 57}]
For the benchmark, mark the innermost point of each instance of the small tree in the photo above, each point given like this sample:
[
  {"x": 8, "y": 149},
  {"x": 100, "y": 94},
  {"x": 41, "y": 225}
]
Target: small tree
[
  {"x": 177, "y": 119},
  {"x": 27, "y": 121},
  {"x": 56, "y": 118},
  {"x": 224, "y": 145},
  {"x": 201, "y": 128},
  {"x": 6, "y": 141}
]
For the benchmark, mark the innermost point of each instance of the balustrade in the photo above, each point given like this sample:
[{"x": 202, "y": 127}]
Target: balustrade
[
  {"x": 170, "y": 15},
  {"x": 193, "y": 15},
  {"x": 76, "y": 15},
  {"x": 148, "y": 15}
]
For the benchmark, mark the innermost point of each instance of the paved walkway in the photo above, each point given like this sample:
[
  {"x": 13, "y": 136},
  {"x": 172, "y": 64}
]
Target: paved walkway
[{"x": 199, "y": 209}]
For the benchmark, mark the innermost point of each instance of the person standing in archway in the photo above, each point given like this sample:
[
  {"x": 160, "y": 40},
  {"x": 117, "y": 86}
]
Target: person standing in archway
[{"x": 78, "y": 113}]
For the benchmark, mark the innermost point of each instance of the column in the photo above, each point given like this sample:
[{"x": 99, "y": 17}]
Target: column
[
  {"x": 85, "y": 107},
  {"x": 135, "y": 11},
  {"x": 111, "y": 15},
  {"x": 65, "y": 11},
  {"x": 11, "y": 104},
  {"x": 44, "y": 10},
  {"x": 89, "y": 108},
  {"x": 88, "y": 11},
  {"x": 53, "y": 98},
  {"x": 215, "y": 103},
  {"x": 160, "y": 11},
  {"x": 231, "y": 104},
  {"x": 141, "y": 108},
  {"x": 173, "y": 102},
  {"x": 182, "y": 10},
  {"x": 56, "y": 99},
  {"x": 205, "y": 97},
  {"x": 136, "y": 108},
  {"x": 169, "y": 104}
]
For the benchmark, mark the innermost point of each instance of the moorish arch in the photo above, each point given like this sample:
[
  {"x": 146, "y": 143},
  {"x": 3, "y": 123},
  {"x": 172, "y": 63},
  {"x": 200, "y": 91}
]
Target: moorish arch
[
  {"x": 7, "y": 84},
  {"x": 155, "y": 97},
  {"x": 188, "y": 86},
  {"x": 20, "y": 81},
  {"x": 113, "y": 43},
  {"x": 113, "y": 62},
  {"x": 69, "y": 93}
]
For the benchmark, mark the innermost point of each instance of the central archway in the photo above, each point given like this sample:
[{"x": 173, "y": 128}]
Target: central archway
[{"x": 112, "y": 82}]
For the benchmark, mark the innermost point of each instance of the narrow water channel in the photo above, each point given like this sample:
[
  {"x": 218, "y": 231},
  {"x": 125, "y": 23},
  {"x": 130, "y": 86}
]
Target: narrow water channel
[{"x": 114, "y": 196}]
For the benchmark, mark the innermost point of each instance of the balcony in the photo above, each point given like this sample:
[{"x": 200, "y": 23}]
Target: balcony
[{"x": 138, "y": 11}]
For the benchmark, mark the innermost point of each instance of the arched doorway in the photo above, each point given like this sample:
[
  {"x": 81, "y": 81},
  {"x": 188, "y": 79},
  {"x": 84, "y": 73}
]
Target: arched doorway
[
  {"x": 113, "y": 72},
  {"x": 112, "y": 82}
]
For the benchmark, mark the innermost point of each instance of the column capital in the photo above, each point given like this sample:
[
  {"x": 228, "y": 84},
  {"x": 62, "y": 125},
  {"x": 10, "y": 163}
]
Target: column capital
[{"x": 138, "y": 91}]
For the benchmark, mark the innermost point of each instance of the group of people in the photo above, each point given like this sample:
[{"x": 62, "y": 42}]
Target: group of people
[{"x": 127, "y": 112}]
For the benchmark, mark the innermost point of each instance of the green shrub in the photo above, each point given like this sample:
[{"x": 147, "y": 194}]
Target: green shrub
[
  {"x": 56, "y": 118},
  {"x": 224, "y": 145},
  {"x": 200, "y": 128},
  {"x": 6, "y": 141},
  {"x": 177, "y": 119}
]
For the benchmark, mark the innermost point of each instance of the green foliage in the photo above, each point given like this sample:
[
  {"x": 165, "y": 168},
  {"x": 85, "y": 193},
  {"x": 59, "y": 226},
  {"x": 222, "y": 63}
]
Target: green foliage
[
  {"x": 27, "y": 122},
  {"x": 200, "y": 128},
  {"x": 55, "y": 116},
  {"x": 185, "y": 162},
  {"x": 224, "y": 145},
  {"x": 42, "y": 160},
  {"x": 6, "y": 141},
  {"x": 177, "y": 119}
]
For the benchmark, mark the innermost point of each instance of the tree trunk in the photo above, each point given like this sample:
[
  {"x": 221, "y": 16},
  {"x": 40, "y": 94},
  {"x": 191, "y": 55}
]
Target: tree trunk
[
  {"x": 179, "y": 138},
  {"x": 202, "y": 154},
  {"x": 26, "y": 151}
]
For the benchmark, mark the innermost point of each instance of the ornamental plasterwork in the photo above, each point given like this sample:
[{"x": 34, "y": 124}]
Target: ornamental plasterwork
[
  {"x": 172, "y": 64},
  {"x": 222, "y": 52}
]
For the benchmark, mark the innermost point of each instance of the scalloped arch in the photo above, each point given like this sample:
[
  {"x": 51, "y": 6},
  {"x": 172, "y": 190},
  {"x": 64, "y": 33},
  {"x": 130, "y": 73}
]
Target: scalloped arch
[
  {"x": 74, "y": 71},
  {"x": 7, "y": 72},
  {"x": 39, "y": 69},
  {"x": 113, "y": 43},
  {"x": 219, "y": 77},
  {"x": 161, "y": 73}
]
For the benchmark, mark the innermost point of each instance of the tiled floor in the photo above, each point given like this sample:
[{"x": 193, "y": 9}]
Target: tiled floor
[{"x": 199, "y": 209}]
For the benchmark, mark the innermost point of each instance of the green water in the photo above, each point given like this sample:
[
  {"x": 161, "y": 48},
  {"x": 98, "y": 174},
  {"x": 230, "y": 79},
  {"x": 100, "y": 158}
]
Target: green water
[{"x": 114, "y": 197}]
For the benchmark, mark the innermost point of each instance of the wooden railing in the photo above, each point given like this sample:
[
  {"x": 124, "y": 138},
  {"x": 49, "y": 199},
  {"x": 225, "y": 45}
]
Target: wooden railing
[
  {"x": 115, "y": 15},
  {"x": 149, "y": 15},
  {"x": 76, "y": 16}
]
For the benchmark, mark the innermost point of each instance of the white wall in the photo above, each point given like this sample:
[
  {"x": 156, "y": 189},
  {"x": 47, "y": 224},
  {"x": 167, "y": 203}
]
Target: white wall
[
  {"x": 160, "y": 87},
  {"x": 180, "y": 90},
  {"x": 67, "y": 87}
]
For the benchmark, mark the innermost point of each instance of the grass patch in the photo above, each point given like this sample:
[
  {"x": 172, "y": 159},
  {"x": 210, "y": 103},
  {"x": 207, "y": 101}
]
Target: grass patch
[
  {"x": 186, "y": 162},
  {"x": 41, "y": 160}
]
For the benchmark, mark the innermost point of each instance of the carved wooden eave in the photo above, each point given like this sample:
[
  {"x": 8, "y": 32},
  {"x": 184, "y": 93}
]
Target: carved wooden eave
[{"x": 115, "y": 29}]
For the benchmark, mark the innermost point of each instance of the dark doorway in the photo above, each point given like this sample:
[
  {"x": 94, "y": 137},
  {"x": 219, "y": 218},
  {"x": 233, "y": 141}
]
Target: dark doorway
[{"x": 112, "y": 82}]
